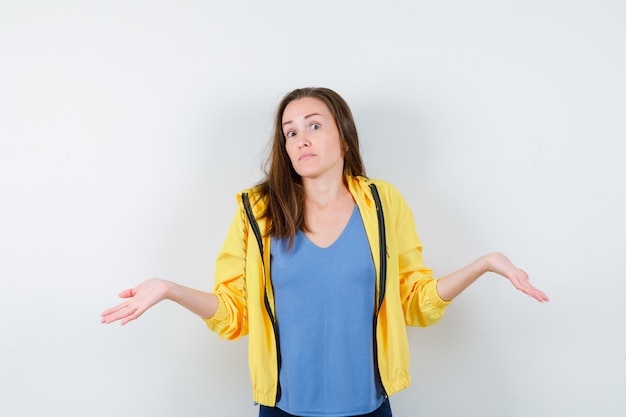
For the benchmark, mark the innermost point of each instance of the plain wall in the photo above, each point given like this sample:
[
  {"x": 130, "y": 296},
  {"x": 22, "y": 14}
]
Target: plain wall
[{"x": 127, "y": 127}]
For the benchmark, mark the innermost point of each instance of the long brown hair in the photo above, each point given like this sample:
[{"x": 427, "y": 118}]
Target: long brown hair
[{"x": 282, "y": 187}]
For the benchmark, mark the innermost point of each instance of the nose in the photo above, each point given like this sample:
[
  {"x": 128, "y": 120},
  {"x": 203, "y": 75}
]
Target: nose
[{"x": 303, "y": 142}]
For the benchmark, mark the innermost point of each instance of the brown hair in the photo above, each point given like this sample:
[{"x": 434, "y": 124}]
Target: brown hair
[{"x": 282, "y": 187}]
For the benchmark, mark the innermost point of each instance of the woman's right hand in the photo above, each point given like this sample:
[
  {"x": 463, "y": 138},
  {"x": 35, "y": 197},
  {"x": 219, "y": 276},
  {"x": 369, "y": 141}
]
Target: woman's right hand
[{"x": 137, "y": 301}]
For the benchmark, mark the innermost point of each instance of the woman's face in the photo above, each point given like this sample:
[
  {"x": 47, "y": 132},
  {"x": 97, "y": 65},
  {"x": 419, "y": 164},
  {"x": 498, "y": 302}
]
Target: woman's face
[{"x": 312, "y": 139}]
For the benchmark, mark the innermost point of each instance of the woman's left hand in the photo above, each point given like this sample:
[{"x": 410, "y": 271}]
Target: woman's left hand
[{"x": 500, "y": 264}]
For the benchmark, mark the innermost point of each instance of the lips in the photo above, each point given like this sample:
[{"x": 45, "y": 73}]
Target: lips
[{"x": 306, "y": 156}]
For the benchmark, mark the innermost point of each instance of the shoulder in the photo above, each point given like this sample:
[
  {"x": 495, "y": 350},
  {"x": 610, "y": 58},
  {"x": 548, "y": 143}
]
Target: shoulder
[
  {"x": 386, "y": 190},
  {"x": 256, "y": 198}
]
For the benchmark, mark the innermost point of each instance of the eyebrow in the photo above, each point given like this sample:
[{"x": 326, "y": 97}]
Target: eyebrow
[{"x": 306, "y": 117}]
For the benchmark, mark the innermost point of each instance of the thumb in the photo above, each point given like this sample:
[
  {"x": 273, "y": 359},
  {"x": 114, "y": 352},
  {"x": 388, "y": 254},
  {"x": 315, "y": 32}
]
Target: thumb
[{"x": 127, "y": 293}]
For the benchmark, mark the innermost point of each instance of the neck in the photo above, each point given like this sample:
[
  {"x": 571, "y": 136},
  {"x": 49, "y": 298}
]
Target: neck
[{"x": 323, "y": 192}]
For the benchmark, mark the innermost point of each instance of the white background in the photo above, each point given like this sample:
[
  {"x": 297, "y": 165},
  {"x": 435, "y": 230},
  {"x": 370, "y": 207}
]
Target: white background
[{"x": 127, "y": 127}]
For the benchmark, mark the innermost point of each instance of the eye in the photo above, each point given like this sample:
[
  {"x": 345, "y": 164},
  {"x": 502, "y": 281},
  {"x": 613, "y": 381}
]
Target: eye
[
  {"x": 290, "y": 134},
  {"x": 315, "y": 126}
]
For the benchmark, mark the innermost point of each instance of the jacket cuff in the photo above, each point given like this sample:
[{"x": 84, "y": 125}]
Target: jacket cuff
[
  {"x": 220, "y": 316},
  {"x": 434, "y": 296}
]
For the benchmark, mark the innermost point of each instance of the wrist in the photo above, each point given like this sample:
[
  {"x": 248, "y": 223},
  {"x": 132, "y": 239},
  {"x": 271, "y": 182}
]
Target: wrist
[
  {"x": 484, "y": 264},
  {"x": 169, "y": 290}
]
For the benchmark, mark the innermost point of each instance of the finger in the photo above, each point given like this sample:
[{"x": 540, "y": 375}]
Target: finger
[
  {"x": 542, "y": 297},
  {"x": 535, "y": 293},
  {"x": 113, "y": 309},
  {"x": 127, "y": 293},
  {"x": 120, "y": 316},
  {"x": 135, "y": 315},
  {"x": 121, "y": 312},
  {"x": 522, "y": 283}
]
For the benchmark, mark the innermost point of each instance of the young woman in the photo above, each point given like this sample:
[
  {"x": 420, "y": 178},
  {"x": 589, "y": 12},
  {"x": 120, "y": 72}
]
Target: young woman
[{"x": 322, "y": 269}]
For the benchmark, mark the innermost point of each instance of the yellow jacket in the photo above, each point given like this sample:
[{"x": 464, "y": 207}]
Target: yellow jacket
[{"x": 246, "y": 302}]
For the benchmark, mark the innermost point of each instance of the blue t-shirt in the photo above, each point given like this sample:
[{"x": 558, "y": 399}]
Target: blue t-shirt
[{"x": 324, "y": 299}]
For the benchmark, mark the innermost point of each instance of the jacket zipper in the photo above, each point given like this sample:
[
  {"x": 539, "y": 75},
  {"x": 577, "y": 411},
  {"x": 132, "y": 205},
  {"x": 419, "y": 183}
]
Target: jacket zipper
[
  {"x": 268, "y": 307},
  {"x": 382, "y": 243}
]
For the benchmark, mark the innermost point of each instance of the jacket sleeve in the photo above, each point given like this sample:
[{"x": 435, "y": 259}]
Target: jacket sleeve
[
  {"x": 230, "y": 321},
  {"x": 421, "y": 303}
]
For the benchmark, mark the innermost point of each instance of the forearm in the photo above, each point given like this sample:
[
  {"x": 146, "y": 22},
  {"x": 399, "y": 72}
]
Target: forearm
[
  {"x": 450, "y": 286},
  {"x": 203, "y": 304}
]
